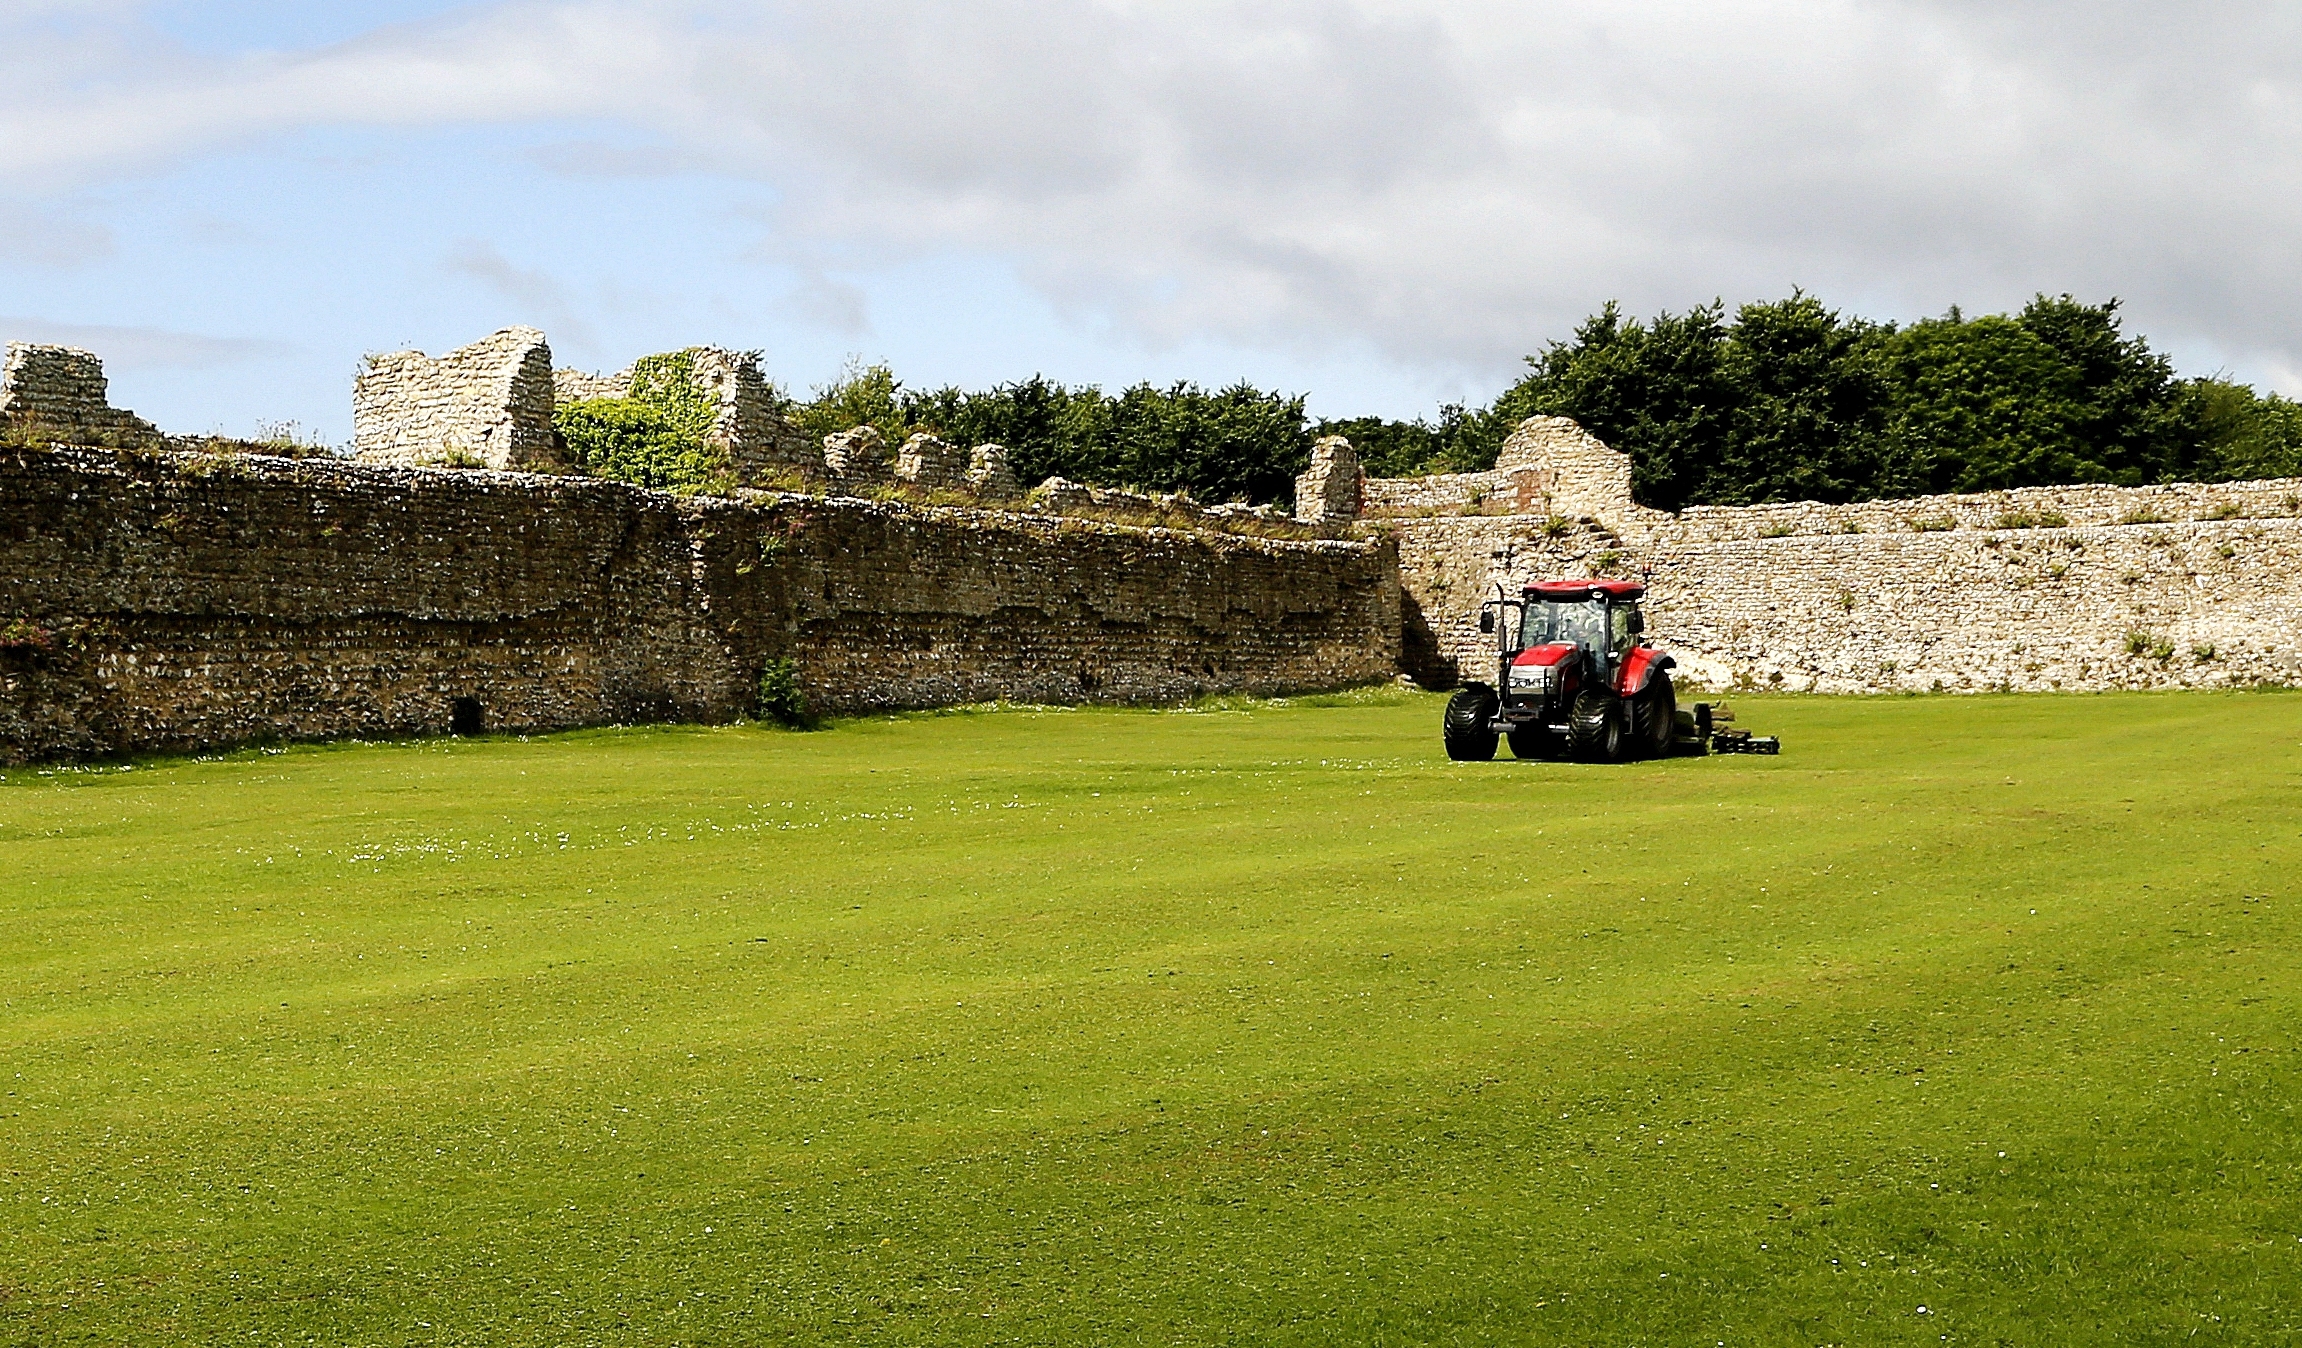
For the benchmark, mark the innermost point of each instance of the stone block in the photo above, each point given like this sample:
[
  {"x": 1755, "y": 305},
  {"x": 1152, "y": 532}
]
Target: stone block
[
  {"x": 930, "y": 461},
  {"x": 857, "y": 457},
  {"x": 1329, "y": 491},
  {"x": 988, "y": 474}
]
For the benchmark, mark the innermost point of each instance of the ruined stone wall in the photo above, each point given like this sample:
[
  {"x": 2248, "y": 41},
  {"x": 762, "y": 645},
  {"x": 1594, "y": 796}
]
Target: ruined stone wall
[
  {"x": 173, "y": 601},
  {"x": 2082, "y": 587},
  {"x": 60, "y": 393},
  {"x": 489, "y": 402}
]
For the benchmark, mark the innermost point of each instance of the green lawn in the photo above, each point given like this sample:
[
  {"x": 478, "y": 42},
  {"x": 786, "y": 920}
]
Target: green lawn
[{"x": 1246, "y": 1026}]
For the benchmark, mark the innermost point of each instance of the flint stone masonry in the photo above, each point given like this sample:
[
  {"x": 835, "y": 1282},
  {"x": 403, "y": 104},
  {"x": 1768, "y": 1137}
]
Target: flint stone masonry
[
  {"x": 2081, "y": 587},
  {"x": 490, "y": 401},
  {"x": 169, "y": 601},
  {"x": 1548, "y": 466},
  {"x": 1329, "y": 490},
  {"x": 988, "y": 474},
  {"x": 59, "y": 392},
  {"x": 927, "y": 461},
  {"x": 858, "y": 457}
]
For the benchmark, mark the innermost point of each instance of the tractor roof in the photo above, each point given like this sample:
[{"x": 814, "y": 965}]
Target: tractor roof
[{"x": 1568, "y": 591}]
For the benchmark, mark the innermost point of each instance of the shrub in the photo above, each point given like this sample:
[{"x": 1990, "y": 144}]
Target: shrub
[
  {"x": 780, "y": 699},
  {"x": 2140, "y": 643},
  {"x": 1933, "y": 526},
  {"x": 2142, "y": 515},
  {"x": 655, "y": 436},
  {"x": 2223, "y": 510},
  {"x": 2032, "y": 519}
]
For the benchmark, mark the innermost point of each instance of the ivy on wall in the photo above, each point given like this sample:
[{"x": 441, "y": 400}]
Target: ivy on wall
[{"x": 657, "y": 435}]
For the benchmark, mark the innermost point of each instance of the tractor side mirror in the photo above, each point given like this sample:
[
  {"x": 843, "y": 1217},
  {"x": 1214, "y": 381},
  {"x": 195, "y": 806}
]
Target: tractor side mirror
[
  {"x": 1638, "y": 622},
  {"x": 1487, "y": 620}
]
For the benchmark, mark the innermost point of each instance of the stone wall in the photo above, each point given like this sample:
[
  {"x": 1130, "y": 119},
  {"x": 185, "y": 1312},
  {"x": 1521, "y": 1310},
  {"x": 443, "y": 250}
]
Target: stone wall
[
  {"x": 1548, "y": 466},
  {"x": 489, "y": 403},
  {"x": 60, "y": 393},
  {"x": 157, "y": 601},
  {"x": 2082, "y": 587}
]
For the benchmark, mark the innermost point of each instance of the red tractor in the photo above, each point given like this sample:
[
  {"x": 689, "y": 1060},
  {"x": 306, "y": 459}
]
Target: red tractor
[{"x": 1573, "y": 679}]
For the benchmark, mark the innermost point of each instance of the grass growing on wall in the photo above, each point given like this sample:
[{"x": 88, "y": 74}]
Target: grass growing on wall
[{"x": 1256, "y": 1024}]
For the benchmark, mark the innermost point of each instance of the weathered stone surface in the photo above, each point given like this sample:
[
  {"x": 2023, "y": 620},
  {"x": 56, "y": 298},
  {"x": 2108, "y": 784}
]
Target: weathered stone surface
[
  {"x": 988, "y": 474},
  {"x": 857, "y": 458},
  {"x": 174, "y": 601},
  {"x": 1330, "y": 489},
  {"x": 930, "y": 461},
  {"x": 60, "y": 393},
  {"x": 490, "y": 402},
  {"x": 2085, "y": 587}
]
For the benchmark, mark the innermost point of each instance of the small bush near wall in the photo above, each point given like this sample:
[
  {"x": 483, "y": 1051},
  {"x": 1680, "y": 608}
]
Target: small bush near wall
[{"x": 780, "y": 699}]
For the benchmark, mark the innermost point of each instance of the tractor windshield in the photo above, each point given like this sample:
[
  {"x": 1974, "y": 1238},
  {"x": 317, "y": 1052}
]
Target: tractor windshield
[{"x": 1582, "y": 622}]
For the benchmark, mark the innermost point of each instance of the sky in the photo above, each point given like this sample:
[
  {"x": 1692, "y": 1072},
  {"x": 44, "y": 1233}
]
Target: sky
[{"x": 1380, "y": 204}]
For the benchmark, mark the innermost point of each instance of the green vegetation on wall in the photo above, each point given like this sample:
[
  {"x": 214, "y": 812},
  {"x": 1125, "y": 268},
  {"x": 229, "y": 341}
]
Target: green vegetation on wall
[{"x": 657, "y": 435}]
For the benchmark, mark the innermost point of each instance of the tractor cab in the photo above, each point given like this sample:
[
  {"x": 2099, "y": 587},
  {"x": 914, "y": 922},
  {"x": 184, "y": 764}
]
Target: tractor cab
[{"x": 1582, "y": 629}]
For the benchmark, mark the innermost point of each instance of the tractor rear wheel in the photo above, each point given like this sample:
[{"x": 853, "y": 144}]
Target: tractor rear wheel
[
  {"x": 1469, "y": 725},
  {"x": 1595, "y": 728},
  {"x": 1534, "y": 742},
  {"x": 1655, "y": 716}
]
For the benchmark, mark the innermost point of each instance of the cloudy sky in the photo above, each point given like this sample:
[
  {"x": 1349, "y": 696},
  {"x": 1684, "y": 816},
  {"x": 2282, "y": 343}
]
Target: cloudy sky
[{"x": 1381, "y": 204}]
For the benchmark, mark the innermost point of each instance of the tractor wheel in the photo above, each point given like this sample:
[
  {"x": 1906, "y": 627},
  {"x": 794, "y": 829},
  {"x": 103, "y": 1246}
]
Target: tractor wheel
[
  {"x": 1595, "y": 729},
  {"x": 1468, "y": 725},
  {"x": 1534, "y": 742},
  {"x": 1655, "y": 716}
]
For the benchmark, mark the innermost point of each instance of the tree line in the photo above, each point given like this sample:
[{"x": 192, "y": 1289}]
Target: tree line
[{"x": 1782, "y": 400}]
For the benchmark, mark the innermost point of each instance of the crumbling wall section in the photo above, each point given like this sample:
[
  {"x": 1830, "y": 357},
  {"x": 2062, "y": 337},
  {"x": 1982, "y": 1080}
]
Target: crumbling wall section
[
  {"x": 489, "y": 404},
  {"x": 172, "y": 601},
  {"x": 59, "y": 393}
]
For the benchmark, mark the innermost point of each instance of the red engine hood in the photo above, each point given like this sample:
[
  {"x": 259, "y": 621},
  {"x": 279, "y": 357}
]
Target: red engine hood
[{"x": 1546, "y": 655}]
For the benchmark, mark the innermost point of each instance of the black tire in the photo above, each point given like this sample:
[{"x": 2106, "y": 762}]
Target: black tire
[
  {"x": 1655, "y": 716},
  {"x": 1468, "y": 725},
  {"x": 1595, "y": 729},
  {"x": 1534, "y": 742}
]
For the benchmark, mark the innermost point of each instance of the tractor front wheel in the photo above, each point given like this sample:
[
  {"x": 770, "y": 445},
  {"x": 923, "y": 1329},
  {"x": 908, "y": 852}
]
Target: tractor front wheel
[
  {"x": 1595, "y": 728},
  {"x": 1655, "y": 716},
  {"x": 1469, "y": 725}
]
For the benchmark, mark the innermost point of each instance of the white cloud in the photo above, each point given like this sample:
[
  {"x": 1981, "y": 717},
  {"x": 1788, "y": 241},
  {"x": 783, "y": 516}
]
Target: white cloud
[
  {"x": 145, "y": 348},
  {"x": 1446, "y": 182}
]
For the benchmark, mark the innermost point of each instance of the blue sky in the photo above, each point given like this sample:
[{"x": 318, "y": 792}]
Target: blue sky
[{"x": 1383, "y": 205}]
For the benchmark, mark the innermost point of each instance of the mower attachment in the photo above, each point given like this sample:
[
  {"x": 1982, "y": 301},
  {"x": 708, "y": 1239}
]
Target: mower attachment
[{"x": 1744, "y": 742}]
